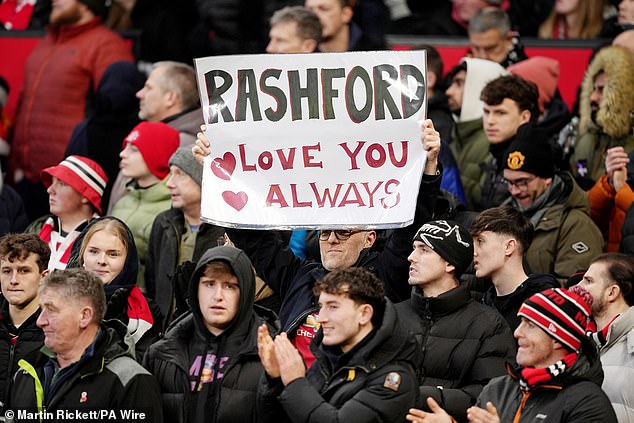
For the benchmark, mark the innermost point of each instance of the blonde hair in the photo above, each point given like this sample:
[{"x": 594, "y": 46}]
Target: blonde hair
[
  {"x": 109, "y": 224},
  {"x": 588, "y": 26}
]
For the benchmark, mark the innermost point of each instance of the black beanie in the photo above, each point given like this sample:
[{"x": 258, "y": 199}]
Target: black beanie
[
  {"x": 98, "y": 7},
  {"x": 530, "y": 152},
  {"x": 449, "y": 240}
]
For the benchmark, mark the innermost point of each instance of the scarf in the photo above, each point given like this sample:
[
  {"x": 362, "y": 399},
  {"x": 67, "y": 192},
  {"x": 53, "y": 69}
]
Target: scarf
[
  {"x": 530, "y": 377},
  {"x": 600, "y": 337},
  {"x": 15, "y": 15},
  {"x": 60, "y": 246}
]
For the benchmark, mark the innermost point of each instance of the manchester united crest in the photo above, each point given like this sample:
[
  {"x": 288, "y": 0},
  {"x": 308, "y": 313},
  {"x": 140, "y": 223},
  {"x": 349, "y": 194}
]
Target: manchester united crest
[{"x": 515, "y": 160}]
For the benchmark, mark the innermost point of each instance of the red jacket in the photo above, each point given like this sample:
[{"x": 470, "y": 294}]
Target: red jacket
[
  {"x": 59, "y": 75},
  {"x": 608, "y": 208}
]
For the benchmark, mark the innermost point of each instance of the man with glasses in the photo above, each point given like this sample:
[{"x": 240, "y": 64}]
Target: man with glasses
[
  {"x": 293, "y": 278},
  {"x": 566, "y": 239}
]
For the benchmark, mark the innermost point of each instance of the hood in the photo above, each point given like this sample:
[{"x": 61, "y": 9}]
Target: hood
[
  {"x": 128, "y": 275},
  {"x": 479, "y": 73},
  {"x": 618, "y": 93},
  {"x": 245, "y": 273},
  {"x": 116, "y": 93},
  {"x": 543, "y": 72}
]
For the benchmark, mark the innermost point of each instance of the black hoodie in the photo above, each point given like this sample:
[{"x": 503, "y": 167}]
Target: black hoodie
[{"x": 204, "y": 377}]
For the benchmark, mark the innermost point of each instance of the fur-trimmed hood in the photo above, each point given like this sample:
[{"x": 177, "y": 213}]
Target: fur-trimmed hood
[{"x": 618, "y": 93}]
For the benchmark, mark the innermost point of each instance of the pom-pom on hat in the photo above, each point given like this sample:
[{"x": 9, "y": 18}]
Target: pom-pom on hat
[
  {"x": 157, "y": 142},
  {"x": 84, "y": 175},
  {"x": 564, "y": 314},
  {"x": 530, "y": 152},
  {"x": 449, "y": 240}
]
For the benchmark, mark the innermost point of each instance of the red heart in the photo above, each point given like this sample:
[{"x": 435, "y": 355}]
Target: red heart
[
  {"x": 223, "y": 168},
  {"x": 235, "y": 200}
]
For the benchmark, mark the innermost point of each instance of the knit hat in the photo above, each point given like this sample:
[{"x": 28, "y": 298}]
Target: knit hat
[
  {"x": 563, "y": 314},
  {"x": 84, "y": 175},
  {"x": 98, "y": 7},
  {"x": 449, "y": 240},
  {"x": 184, "y": 159},
  {"x": 530, "y": 152},
  {"x": 156, "y": 141},
  {"x": 543, "y": 72}
]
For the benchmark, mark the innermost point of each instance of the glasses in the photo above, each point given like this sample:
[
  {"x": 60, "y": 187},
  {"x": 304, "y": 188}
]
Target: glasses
[
  {"x": 521, "y": 184},
  {"x": 341, "y": 235}
]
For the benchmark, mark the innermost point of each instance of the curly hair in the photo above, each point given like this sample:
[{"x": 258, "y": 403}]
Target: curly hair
[
  {"x": 360, "y": 285},
  {"x": 20, "y": 246},
  {"x": 513, "y": 87}
]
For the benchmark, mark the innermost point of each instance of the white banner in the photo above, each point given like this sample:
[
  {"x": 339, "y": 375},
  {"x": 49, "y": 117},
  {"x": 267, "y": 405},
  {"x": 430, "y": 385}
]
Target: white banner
[{"x": 322, "y": 140}]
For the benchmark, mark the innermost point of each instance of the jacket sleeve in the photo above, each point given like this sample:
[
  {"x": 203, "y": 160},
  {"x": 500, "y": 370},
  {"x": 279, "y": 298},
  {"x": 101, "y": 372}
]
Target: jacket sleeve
[
  {"x": 273, "y": 260},
  {"x": 141, "y": 393},
  {"x": 571, "y": 256},
  {"x": 496, "y": 348},
  {"x": 153, "y": 247},
  {"x": 374, "y": 403},
  {"x": 393, "y": 266},
  {"x": 601, "y": 197},
  {"x": 591, "y": 405}
]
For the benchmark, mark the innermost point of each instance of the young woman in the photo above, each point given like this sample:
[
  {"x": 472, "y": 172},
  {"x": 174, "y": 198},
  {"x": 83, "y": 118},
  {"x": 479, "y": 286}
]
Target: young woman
[
  {"x": 106, "y": 247},
  {"x": 574, "y": 19}
]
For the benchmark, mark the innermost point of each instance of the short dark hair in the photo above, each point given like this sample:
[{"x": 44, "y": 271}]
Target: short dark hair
[
  {"x": 19, "y": 246},
  {"x": 620, "y": 267},
  {"x": 308, "y": 25},
  {"x": 490, "y": 18},
  {"x": 434, "y": 60},
  {"x": 513, "y": 87},
  {"x": 78, "y": 284},
  {"x": 505, "y": 220},
  {"x": 360, "y": 285}
]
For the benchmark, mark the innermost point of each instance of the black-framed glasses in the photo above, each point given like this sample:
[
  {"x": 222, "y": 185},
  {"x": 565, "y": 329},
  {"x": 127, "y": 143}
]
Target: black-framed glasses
[
  {"x": 521, "y": 184},
  {"x": 341, "y": 235}
]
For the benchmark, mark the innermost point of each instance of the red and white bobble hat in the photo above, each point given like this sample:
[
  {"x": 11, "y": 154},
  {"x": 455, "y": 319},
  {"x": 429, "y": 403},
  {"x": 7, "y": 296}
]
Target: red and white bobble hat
[{"x": 83, "y": 174}]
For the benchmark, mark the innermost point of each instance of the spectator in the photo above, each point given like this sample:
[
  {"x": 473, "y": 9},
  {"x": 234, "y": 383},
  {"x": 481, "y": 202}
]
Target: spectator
[
  {"x": 626, "y": 14},
  {"x": 22, "y": 15},
  {"x": 502, "y": 236},
  {"x": 468, "y": 141},
  {"x": 294, "y": 30},
  {"x": 106, "y": 248},
  {"x": 558, "y": 376},
  {"x": 509, "y": 103},
  {"x": 12, "y": 214},
  {"x": 625, "y": 39},
  {"x": 359, "y": 326},
  {"x": 144, "y": 159},
  {"x": 555, "y": 205},
  {"x": 339, "y": 33},
  {"x": 60, "y": 76},
  {"x": 491, "y": 38},
  {"x": 574, "y": 19},
  {"x": 116, "y": 109},
  {"x": 5, "y": 122},
  {"x": 293, "y": 279},
  {"x": 207, "y": 364},
  {"x": 458, "y": 359},
  {"x": 89, "y": 367},
  {"x": 170, "y": 95},
  {"x": 23, "y": 263},
  {"x": 609, "y": 279},
  {"x": 75, "y": 187},
  {"x": 611, "y": 196},
  {"x": 607, "y": 98},
  {"x": 177, "y": 234}
]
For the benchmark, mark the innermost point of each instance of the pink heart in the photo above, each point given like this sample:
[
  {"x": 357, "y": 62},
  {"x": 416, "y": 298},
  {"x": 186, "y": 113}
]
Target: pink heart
[
  {"x": 235, "y": 200},
  {"x": 223, "y": 168}
]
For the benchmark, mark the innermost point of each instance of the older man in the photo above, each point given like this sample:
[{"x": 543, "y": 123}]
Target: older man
[
  {"x": 294, "y": 30},
  {"x": 85, "y": 366}
]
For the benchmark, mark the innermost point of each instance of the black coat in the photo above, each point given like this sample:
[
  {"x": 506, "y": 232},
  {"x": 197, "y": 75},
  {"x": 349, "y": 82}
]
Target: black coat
[
  {"x": 355, "y": 391},
  {"x": 573, "y": 396},
  {"x": 293, "y": 279},
  {"x": 13, "y": 218},
  {"x": 107, "y": 379},
  {"x": 16, "y": 344},
  {"x": 464, "y": 343}
]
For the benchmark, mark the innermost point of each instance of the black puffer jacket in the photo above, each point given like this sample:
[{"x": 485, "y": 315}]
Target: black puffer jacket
[
  {"x": 573, "y": 396},
  {"x": 358, "y": 389},
  {"x": 464, "y": 343},
  {"x": 163, "y": 252},
  {"x": 15, "y": 344},
  {"x": 231, "y": 395},
  {"x": 105, "y": 378},
  {"x": 509, "y": 305},
  {"x": 293, "y": 279}
]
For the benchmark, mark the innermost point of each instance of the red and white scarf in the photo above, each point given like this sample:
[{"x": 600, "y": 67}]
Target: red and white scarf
[
  {"x": 60, "y": 245},
  {"x": 140, "y": 318}
]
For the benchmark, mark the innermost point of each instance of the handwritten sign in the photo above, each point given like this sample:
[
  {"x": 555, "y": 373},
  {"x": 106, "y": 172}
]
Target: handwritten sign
[{"x": 313, "y": 140}]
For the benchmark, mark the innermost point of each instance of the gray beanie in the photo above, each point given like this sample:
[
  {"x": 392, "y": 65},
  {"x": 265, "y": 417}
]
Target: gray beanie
[{"x": 184, "y": 159}]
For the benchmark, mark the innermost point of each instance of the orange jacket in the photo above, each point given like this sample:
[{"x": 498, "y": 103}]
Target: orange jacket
[{"x": 608, "y": 208}]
